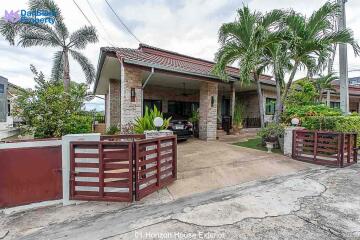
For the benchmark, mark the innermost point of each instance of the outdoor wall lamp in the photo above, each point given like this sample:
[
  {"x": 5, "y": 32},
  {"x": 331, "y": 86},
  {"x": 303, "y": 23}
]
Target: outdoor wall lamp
[
  {"x": 132, "y": 94},
  {"x": 212, "y": 101}
]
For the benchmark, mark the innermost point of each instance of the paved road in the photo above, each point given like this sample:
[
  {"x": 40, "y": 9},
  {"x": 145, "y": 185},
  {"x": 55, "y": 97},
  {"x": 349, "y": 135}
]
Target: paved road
[{"x": 321, "y": 203}]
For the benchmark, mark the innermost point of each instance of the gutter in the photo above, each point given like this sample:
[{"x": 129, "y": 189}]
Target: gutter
[{"x": 143, "y": 87}]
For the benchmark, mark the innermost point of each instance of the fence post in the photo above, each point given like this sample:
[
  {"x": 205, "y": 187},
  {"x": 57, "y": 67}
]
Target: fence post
[
  {"x": 293, "y": 155},
  {"x": 355, "y": 148},
  {"x": 101, "y": 169},
  {"x": 158, "y": 162},
  {"x": 315, "y": 144},
  {"x": 174, "y": 150},
  {"x": 349, "y": 145}
]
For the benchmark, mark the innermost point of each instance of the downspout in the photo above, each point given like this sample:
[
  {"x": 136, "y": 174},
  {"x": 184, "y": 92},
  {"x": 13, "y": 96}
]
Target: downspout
[{"x": 143, "y": 87}]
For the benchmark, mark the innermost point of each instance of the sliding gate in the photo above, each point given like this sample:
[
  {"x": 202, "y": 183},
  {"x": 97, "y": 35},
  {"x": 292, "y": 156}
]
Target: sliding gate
[{"x": 117, "y": 168}]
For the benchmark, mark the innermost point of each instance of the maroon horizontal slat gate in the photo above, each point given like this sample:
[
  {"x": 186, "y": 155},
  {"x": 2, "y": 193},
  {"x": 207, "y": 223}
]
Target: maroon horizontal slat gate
[
  {"x": 155, "y": 164},
  {"x": 101, "y": 171},
  {"x": 119, "y": 167},
  {"x": 325, "y": 148}
]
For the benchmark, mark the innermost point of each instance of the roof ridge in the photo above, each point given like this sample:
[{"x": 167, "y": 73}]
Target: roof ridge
[{"x": 143, "y": 45}]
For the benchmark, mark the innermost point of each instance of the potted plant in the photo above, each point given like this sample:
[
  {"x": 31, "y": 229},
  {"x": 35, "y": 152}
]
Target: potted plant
[
  {"x": 194, "y": 119},
  {"x": 271, "y": 134}
]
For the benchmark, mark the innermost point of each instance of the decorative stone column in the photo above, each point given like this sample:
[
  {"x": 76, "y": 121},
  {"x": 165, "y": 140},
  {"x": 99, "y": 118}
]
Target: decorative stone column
[
  {"x": 130, "y": 85},
  {"x": 113, "y": 107},
  {"x": 208, "y": 110}
]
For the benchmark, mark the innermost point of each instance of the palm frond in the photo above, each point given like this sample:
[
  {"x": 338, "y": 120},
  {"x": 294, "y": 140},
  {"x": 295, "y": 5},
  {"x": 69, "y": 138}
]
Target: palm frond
[
  {"x": 226, "y": 55},
  {"x": 50, "y": 5},
  {"x": 85, "y": 64},
  {"x": 58, "y": 66},
  {"x": 80, "y": 38},
  {"x": 321, "y": 19}
]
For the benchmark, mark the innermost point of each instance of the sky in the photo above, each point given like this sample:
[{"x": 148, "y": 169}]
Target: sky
[{"x": 185, "y": 26}]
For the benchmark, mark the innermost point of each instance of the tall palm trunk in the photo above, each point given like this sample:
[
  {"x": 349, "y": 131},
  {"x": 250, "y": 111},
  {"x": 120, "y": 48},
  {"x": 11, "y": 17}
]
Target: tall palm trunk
[
  {"x": 291, "y": 78},
  {"x": 260, "y": 98},
  {"x": 278, "y": 106},
  {"x": 66, "y": 70}
]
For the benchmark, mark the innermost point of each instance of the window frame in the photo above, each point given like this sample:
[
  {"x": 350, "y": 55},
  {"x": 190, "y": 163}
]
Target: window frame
[{"x": 270, "y": 107}]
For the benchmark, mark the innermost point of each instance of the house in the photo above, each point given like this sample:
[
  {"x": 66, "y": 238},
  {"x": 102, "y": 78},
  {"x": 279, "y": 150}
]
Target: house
[
  {"x": 8, "y": 122},
  {"x": 332, "y": 98},
  {"x": 177, "y": 84}
]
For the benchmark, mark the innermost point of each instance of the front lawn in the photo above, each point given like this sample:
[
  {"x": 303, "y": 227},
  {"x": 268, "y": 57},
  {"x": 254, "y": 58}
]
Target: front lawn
[{"x": 255, "y": 143}]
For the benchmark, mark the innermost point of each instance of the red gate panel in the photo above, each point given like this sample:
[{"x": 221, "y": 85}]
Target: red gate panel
[
  {"x": 29, "y": 175},
  {"x": 155, "y": 164},
  {"x": 101, "y": 171}
]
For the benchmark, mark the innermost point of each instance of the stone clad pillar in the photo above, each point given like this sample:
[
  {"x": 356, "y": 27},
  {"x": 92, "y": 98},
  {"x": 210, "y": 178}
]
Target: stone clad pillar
[
  {"x": 130, "y": 105},
  {"x": 113, "y": 106},
  {"x": 208, "y": 110}
]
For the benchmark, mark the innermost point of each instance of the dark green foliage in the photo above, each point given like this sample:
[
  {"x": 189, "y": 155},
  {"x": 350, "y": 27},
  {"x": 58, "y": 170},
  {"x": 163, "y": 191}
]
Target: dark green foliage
[
  {"x": 302, "y": 111},
  {"x": 345, "y": 124},
  {"x": 112, "y": 130},
  {"x": 50, "y": 112},
  {"x": 272, "y": 132},
  {"x": 146, "y": 122}
]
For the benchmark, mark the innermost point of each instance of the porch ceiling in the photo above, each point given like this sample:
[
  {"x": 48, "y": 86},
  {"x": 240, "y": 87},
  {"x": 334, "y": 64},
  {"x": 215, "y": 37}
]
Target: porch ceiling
[{"x": 171, "y": 81}]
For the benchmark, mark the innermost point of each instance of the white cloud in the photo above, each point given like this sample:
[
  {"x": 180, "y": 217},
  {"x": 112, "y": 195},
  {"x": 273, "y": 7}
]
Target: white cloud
[{"x": 189, "y": 27}]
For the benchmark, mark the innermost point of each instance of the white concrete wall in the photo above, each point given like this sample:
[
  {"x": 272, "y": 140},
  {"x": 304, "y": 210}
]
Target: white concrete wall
[
  {"x": 66, "y": 160},
  {"x": 288, "y": 140}
]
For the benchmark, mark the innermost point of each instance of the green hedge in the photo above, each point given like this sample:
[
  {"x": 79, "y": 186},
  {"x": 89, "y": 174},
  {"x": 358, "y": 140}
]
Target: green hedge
[
  {"x": 345, "y": 124},
  {"x": 306, "y": 111}
]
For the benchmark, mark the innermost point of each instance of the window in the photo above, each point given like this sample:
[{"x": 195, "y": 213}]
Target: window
[
  {"x": 270, "y": 106},
  {"x": 2, "y": 88},
  {"x": 335, "y": 104}
]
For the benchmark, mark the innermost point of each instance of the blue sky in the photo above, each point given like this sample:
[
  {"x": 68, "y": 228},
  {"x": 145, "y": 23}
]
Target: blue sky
[{"x": 189, "y": 27}]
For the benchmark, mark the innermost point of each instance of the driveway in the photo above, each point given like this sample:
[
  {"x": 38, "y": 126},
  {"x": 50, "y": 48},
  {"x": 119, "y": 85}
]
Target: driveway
[
  {"x": 320, "y": 203},
  {"x": 204, "y": 166}
]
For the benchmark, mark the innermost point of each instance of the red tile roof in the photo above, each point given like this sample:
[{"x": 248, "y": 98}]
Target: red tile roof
[{"x": 172, "y": 61}]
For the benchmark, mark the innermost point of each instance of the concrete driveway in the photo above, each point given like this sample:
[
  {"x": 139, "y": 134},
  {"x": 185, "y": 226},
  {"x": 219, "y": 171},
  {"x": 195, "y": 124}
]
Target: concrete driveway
[
  {"x": 204, "y": 166},
  {"x": 320, "y": 203}
]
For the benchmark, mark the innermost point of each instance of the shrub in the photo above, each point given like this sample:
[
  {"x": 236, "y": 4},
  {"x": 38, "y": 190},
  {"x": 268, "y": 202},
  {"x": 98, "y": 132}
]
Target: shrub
[
  {"x": 272, "y": 132},
  {"x": 112, "y": 130},
  {"x": 302, "y": 92},
  {"x": 146, "y": 122},
  {"x": 344, "y": 124},
  {"x": 305, "y": 111}
]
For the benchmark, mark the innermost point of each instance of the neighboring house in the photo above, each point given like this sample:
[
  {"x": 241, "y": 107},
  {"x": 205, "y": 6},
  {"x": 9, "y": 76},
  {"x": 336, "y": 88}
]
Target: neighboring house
[
  {"x": 8, "y": 122},
  {"x": 332, "y": 98},
  {"x": 177, "y": 84}
]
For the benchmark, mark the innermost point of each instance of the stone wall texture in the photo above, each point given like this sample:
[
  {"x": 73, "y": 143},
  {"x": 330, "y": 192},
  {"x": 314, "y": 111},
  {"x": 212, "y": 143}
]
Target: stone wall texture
[
  {"x": 130, "y": 110},
  {"x": 208, "y": 113},
  {"x": 114, "y": 103}
]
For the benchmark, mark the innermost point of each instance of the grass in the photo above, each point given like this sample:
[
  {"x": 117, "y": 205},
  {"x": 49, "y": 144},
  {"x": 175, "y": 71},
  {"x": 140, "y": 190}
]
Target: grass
[{"x": 255, "y": 143}]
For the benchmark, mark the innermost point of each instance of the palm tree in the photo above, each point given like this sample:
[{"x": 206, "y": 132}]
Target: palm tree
[
  {"x": 311, "y": 40},
  {"x": 245, "y": 40},
  {"x": 323, "y": 83},
  {"x": 277, "y": 58},
  {"x": 57, "y": 35}
]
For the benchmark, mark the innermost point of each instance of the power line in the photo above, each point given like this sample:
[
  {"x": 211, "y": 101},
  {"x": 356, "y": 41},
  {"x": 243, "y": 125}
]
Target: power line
[
  {"x": 83, "y": 14},
  {"x": 101, "y": 23},
  {"x": 122, "y": 23},
  {"x": 87, "y": 19}
]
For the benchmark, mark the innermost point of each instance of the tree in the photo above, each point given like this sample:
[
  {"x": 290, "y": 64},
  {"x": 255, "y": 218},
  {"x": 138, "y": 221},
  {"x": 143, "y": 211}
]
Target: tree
[
  {"x": 45, "y": 112},
  {"x": 311, "y": 40},
  {"x": 323, "y": 83},
  {"x": 277, "y": 58},
  {"x": 57, "y": 35},
  {"x": 245, "y": 40}
]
